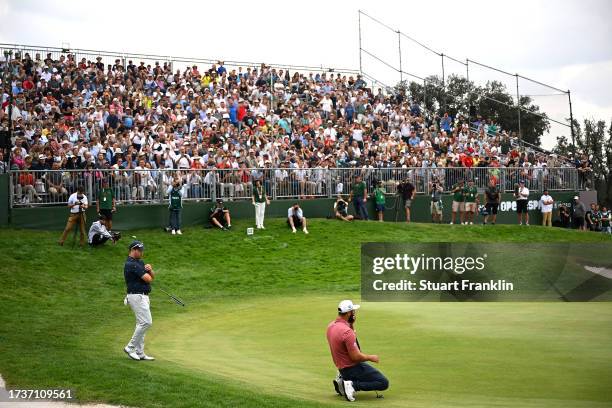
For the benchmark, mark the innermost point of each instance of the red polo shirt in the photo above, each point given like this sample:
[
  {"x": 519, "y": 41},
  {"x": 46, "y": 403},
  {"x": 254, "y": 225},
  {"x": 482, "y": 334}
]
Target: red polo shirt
[{"x": 341, "y": 339}]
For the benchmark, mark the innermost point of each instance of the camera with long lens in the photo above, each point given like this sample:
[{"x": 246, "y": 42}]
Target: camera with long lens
[{"x": 79, "y": 202}]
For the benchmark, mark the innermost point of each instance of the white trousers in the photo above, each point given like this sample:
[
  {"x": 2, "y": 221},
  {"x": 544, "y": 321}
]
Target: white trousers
[
  {"x": 260, "y": 211},
  {"x": 140, "y": 306}
]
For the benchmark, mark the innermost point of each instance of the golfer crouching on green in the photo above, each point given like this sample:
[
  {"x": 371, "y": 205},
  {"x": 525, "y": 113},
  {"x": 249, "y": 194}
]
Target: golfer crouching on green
[{"x": 354, "y": 373}]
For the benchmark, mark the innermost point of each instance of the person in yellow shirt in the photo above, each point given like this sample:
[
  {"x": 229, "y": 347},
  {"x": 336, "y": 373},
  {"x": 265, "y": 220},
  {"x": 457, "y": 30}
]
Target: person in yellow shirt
[
  {"x": 205, "y": 81},
  {"x": 476, "y": 159},
  {"x": 147, "y": 102}
]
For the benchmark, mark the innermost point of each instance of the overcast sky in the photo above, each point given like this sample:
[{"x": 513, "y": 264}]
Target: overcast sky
[{"x": 565, "y": 44}]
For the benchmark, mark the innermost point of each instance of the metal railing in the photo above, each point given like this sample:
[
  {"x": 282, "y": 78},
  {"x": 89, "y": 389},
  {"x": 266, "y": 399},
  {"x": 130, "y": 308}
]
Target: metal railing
[
  {"x": 134, "y": 186},
  {"x": 109, "y": 57}
]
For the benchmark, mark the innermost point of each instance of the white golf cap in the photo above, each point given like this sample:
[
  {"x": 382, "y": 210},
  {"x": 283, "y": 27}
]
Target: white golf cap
[
  {"x": 576, "y": 198},
  {"x": 346, "y": 306}
]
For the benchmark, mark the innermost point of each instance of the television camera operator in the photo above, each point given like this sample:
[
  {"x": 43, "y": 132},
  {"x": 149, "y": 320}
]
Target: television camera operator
[{"x": 77, "y": 203}]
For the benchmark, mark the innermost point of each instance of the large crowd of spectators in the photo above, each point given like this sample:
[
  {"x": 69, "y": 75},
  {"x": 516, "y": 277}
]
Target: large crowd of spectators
[{"x": 227, "y": 127}]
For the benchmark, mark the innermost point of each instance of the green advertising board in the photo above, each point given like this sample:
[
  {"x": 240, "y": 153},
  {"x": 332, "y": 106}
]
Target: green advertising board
[{"x": 156, "y": 215}]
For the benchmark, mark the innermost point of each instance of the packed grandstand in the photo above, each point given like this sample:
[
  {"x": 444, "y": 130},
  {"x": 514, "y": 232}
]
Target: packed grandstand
[{"x": 140, "y": 126}]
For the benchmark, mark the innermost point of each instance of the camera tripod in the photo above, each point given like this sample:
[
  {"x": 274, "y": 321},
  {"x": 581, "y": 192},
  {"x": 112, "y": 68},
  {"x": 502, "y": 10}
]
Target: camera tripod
[
  {"x": 81, "y": 222},
  {"x": 397, "y": 204}
]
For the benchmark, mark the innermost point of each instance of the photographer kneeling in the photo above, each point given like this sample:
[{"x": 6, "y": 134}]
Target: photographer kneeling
[
  {"x": 98, "y": 234},
  {"x": 220, "y": 216}
]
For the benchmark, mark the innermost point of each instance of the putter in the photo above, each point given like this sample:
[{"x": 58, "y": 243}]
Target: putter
[{"x": 176, "y": 300}]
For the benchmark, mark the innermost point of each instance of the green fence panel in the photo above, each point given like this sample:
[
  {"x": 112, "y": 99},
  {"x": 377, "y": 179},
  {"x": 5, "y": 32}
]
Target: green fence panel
[
  {"x": 4, "y": 199},
  {"x": 156, "y": 215}
]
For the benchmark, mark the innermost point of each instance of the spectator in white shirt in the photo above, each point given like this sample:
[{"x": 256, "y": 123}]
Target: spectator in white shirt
[
  {"x": 546, "y": 206},
  {"x": 326, "y": 105},
  {"x": 522, "y": 195},
  {"x": 330, "y": 131},
  {"x": 98, "y": 234},
  {"x": 143, "y": 184},
  {"x": 296, "y": 219}
]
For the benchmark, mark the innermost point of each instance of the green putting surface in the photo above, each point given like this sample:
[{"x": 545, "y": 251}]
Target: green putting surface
[
  {"x": 253, "y": 331},
  {"x": 436, "y": 354}
]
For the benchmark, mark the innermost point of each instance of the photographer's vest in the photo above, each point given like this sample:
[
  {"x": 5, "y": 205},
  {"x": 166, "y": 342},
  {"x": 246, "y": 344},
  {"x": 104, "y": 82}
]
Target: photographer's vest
[{"x": 175, "y": 200}]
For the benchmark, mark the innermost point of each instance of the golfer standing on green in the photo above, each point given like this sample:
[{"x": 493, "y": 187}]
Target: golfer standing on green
[{"x": 138, "y": 278}]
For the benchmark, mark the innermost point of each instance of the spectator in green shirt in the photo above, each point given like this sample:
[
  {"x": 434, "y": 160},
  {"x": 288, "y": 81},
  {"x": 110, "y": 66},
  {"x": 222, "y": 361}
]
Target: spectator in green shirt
[
  {"x": 379, "y": 197},
  {"x": 458, "y": 204},
  {"x": 175, "y": 192},
  {"x": 359, "y": 196},
  {"x": 105, "y": 204},
  {"x": 470, "y": 194},
  {"x": 435, "y": 192}
]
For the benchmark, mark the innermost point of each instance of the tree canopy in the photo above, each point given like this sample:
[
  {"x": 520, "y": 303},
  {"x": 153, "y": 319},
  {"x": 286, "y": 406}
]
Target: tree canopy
[{"x": 491, "y": 101}]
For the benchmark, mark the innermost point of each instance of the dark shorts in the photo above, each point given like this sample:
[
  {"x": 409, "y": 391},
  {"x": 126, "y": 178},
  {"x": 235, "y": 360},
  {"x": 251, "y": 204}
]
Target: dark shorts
[
  {"x": 107, "y": 214},
  {"x": 98, "y": 239},
  {"x": 297, "y": 222},
  {"x": 219, "y": 216},
  {"x": 380, "y": 207},
  {"x": 492, "y": 208},
  {"x": 521, "y": 206},
  {"x": 578, "y": 222}
]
